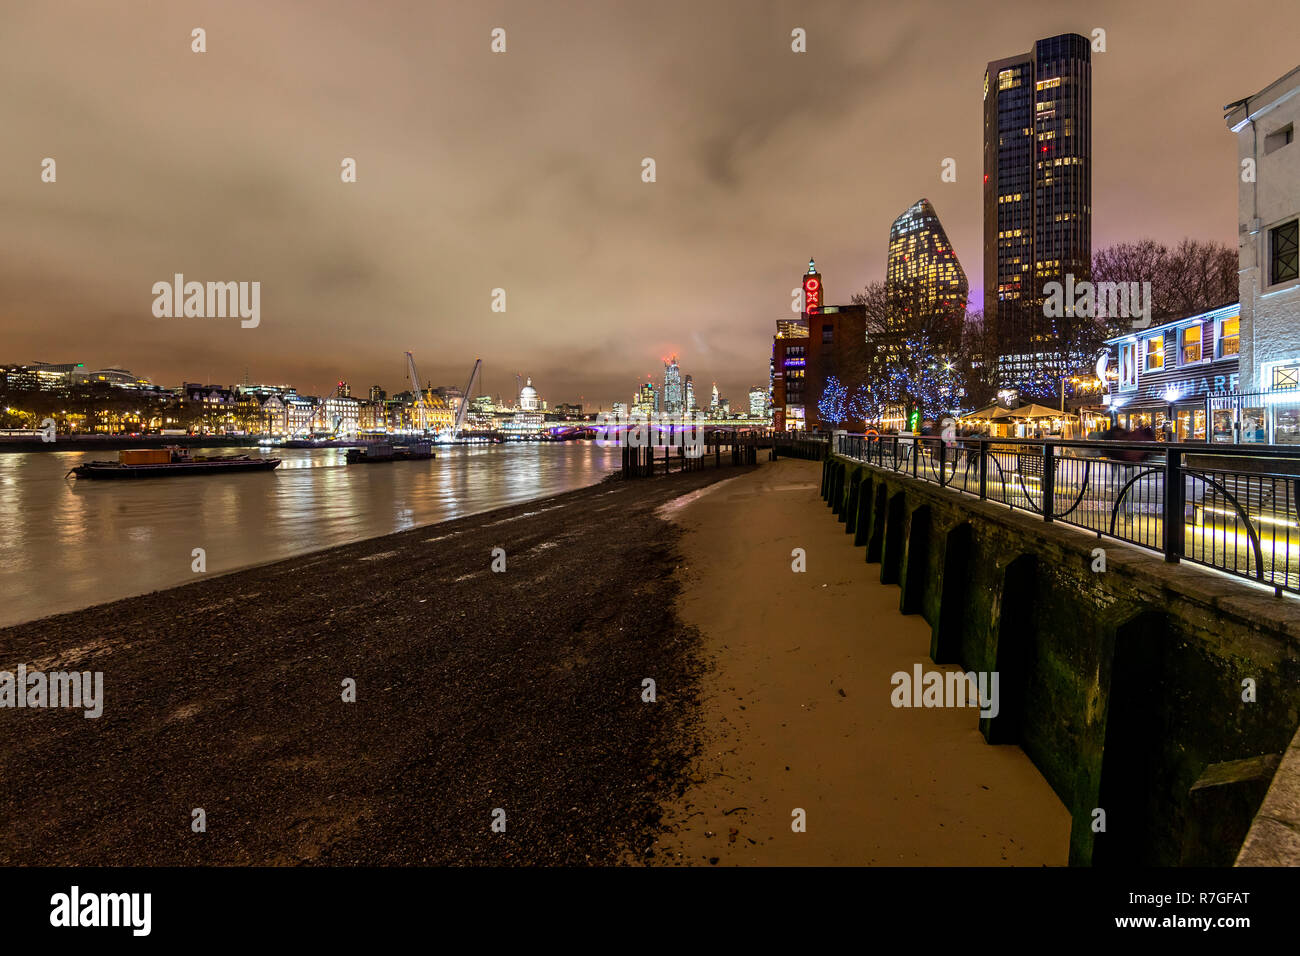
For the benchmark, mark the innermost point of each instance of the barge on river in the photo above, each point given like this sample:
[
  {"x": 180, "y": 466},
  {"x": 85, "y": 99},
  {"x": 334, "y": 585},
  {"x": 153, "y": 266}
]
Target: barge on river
[
  {"x": 382, "y": 451},
  {"x": 168, "y": 462}
]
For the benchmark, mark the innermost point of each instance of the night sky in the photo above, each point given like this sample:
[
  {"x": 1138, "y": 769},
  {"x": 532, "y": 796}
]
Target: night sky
[{"x": 523, "y": 171}]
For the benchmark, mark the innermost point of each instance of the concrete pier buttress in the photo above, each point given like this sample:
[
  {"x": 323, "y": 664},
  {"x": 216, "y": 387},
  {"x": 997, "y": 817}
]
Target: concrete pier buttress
[{"x": 1125, "y": 687}]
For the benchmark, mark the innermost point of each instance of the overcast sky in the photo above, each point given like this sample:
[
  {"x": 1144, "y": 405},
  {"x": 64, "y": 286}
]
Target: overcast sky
[{"x": 522, "y": 171}]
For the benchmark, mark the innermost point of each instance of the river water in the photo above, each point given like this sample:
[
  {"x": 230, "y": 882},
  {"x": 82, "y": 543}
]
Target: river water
[{"x": 68, "y": 543}]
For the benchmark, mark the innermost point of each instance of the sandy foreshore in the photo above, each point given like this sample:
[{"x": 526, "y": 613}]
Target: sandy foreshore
[
  {"x": 475, "y": 691},
  {"x": 796, "y": 710},
  {"x": 521, "y": 691}
]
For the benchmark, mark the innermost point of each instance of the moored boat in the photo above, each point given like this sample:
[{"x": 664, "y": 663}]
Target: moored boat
[
  {"x": 168, "y": 462},
  {"x": 382, "y": 451}
]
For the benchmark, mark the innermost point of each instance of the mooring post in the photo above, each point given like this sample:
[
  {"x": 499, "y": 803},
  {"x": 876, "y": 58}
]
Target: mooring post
[
  {"x": 1173, "y": 505},
  {"x": 1049, "y": 481},
  {"x": 984, "y": 469}
]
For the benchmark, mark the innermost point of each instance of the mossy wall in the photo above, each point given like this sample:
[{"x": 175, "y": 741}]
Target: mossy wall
[{"x": 1125, "y": 684}]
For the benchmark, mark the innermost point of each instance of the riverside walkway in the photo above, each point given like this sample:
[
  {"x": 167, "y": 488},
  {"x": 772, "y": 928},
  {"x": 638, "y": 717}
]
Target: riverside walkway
[{"x": 797, "y": 709}]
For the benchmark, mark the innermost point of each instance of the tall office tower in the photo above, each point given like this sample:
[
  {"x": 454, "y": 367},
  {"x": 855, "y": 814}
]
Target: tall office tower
[
  {"x": 647, "y": 401},
  {"x": 757, "y": 402},
  {"x": 923, "y": 273},
  {"x": 689, "y": 407},
  {"x": 1037, "y": 204},
  {"x": 713, "y": 400},
  {"x": 377, "y": 394},
  {"x": 345, "y": 390},
  {"x": 672, "y": 388}
]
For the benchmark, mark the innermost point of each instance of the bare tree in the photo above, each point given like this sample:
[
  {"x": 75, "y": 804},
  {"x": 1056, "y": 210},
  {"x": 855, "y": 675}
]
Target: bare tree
[
  {"x": 978, "y": 359},
  {"x": 1192, "y": 277}
]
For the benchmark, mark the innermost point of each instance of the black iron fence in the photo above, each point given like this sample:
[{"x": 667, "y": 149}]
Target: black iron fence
[
  {"x": 800, "y": 445},
  {"x": 710, "y": 449},
  {"x": 1216, "y": 505}
]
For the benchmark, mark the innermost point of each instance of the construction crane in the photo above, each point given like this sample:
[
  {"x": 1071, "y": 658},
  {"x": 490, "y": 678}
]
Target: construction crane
[
  {"x": 420, "y": 398},
  {"x": 464, "y": 402}
]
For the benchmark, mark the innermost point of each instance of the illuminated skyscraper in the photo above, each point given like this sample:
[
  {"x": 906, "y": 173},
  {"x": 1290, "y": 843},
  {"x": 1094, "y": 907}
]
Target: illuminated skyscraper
[
  {"x": 1037, "y": 201},
  {"x": 923, "y": 271},
  {"x": 689, "y": 407},
  {"x": 672, "y": 388},
  {"x": 647, "y": 400}
]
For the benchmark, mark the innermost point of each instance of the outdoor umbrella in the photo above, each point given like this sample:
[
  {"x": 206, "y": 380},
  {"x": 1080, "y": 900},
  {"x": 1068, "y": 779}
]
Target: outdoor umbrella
[
  {"x": 984, "y": 412},
  {"x": 1039, "y": 411}
]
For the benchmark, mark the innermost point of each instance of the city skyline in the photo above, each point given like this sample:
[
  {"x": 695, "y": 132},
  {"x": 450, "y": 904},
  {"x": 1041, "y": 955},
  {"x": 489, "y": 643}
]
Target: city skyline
[{"x": 408, "y": 256}]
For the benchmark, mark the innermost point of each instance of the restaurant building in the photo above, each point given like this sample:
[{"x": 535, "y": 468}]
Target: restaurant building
[{"x": 1183, "y": 374}]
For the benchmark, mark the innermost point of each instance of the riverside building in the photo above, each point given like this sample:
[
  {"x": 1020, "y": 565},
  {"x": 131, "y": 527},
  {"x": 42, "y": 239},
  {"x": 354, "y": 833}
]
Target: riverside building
[
  {"x": 1037, "y": 199},
  {"x": 1268, "y": 214},
  {"x": 1184, "y": 373},
  {"x": 789, "y": 362}
]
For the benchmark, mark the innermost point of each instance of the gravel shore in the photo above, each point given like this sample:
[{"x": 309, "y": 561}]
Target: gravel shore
[{"x": 475, "y": 691}]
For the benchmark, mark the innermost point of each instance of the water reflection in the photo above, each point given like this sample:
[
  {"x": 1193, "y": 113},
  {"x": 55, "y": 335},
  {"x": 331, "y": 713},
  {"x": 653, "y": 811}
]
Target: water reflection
[{"x": 67, "y": 544}]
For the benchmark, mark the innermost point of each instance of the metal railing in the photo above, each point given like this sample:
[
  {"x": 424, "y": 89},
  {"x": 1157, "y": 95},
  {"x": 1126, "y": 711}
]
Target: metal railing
[
  {"x": 1221, "y": 506},
  {"x": 800, "y": 444}
]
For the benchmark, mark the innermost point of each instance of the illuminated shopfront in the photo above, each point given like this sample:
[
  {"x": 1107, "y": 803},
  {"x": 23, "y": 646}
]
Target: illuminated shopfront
[{"x": 1179, "y": 378}]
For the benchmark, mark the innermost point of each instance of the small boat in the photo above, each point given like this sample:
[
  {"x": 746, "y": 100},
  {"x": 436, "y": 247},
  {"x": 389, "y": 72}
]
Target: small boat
[
  {"x": 169, "y": 461},
  {"x": 382, "y": 451}
]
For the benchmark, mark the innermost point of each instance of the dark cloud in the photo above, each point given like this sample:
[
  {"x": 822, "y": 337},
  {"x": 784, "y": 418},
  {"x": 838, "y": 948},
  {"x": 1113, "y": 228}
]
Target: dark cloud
[{"x": 522, "y": 171}]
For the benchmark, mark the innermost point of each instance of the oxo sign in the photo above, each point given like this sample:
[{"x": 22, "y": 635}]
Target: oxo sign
[{"x": 812, "y": 294}]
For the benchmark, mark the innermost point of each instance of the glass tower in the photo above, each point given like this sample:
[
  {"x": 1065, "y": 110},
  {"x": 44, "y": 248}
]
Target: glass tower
[
  {"x": 1037, "y": 203},
  {"x": 672, "y": 388}
]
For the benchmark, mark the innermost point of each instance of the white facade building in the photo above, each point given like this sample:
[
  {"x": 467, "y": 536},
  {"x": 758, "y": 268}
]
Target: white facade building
[
  {"x": 342, "y": 415},
  {"x": 1268, "y": 215},
  {"x": 528, "y": 399}
]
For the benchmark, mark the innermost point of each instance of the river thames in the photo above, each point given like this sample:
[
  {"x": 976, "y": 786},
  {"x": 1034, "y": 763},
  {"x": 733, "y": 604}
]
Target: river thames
[{"x": 67, "y": 543}]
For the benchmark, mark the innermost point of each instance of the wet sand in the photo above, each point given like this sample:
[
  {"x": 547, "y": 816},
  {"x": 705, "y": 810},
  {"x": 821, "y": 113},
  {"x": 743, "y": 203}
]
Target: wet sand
[
  {"x": 797, "y": 713},
  {"x": 521, "y": 691},
  {"x": 475, "y": 690}
]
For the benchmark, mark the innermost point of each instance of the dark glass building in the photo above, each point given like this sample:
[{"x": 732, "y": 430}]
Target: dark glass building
[{"x": 1037, "y": 204}]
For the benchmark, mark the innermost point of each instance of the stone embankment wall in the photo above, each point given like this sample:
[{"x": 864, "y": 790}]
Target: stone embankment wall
[{"x": 1159, "y": 694}]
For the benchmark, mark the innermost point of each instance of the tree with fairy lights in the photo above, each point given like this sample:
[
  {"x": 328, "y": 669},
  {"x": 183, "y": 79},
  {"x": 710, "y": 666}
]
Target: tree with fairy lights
[
  {"x": 835, "y": 407},
  {"x": 921, "y": 375},
  {"x": 916, "y": 357}
]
